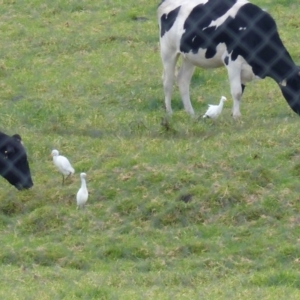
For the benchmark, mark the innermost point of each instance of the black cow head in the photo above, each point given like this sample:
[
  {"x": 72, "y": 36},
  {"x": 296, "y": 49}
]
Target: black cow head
[
  {"x": 290, "y": 88},
  {"x": 13, "y": 162}
]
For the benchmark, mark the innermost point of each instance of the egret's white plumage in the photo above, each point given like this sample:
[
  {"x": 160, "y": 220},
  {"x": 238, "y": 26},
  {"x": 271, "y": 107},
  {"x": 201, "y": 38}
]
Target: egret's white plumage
[
  {"x": 82, "y": 194},
  {"x": 63, "y": 165},
  {"x": 214, "y": 110}
]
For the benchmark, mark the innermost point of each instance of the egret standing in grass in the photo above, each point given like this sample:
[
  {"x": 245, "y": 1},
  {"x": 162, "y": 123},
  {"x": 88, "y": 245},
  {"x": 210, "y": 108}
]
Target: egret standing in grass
[
  {"x": 82, "y": 194},
  {"x": 215, "y": 110},
  {"x": 63, "y": 165}
]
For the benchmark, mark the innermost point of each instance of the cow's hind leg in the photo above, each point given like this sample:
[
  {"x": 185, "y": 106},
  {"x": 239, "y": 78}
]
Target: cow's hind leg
[
  {"x": 183, "y": 80},
  {"x": 169, "y": 60}
]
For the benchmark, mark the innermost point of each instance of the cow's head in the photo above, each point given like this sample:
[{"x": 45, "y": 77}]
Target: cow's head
[
  {"x": 13, "y": 162},
  {"x": 290, "y": 88}
]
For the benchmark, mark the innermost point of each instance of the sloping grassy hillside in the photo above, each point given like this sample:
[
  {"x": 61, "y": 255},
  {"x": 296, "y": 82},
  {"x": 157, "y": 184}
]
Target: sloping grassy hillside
[{"x": 187, "y": 210}]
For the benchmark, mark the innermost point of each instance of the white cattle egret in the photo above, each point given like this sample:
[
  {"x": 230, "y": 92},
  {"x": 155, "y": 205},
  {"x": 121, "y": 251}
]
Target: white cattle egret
[
  {"x": 63, "y": 165},
  {"x": 82, "y": 194},
  {"x": 214, "y": 110}
]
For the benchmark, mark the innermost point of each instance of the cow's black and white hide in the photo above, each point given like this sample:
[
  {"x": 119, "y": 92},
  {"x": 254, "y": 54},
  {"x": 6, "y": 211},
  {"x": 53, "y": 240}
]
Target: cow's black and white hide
[
  {"x": 231, "y": 33},
  {"x": 13, "y": 162}
]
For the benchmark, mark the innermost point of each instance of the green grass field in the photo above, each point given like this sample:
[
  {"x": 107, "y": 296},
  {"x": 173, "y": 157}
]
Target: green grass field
[{"x": 84, "y": 77}]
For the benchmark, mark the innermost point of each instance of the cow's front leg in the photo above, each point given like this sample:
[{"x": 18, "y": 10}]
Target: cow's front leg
[
  {"x": 236, "y": 87},
  {"x": 236, "y": 93}
]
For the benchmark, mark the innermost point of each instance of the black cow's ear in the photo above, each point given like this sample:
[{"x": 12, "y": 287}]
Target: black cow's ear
[{"x": 17, "y": 137}]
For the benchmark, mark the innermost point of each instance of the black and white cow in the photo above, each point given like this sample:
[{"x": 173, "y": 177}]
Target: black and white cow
[
  {"x": 13, "y": 162},
  {"x": 231, "y": 33}
]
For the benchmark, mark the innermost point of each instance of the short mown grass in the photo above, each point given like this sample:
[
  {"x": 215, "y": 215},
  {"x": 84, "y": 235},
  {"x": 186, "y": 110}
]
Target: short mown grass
[{"x": 179, "y": 208}]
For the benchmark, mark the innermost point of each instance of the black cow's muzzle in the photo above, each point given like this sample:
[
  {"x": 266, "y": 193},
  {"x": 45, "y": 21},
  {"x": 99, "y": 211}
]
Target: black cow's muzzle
[{"x": 21, "y": 187}]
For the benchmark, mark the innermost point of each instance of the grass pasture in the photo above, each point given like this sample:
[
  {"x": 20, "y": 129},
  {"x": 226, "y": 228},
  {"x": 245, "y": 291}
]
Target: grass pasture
[{"x": 192, "y": 210}]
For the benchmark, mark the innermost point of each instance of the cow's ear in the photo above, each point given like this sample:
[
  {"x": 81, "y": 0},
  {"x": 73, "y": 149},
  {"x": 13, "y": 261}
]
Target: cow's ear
[{"x": 17, "y": 137}]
